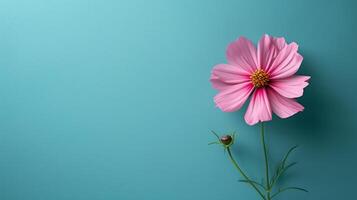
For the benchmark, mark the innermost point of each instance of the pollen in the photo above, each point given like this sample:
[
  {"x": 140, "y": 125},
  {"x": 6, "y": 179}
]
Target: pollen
[{"x": 260, "y": 78}]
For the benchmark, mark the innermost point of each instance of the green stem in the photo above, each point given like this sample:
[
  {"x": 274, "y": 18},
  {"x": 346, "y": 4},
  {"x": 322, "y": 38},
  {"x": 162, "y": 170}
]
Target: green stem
[
  {"x": 266, "y": 162},
  {"x": 243, "y": 174}
]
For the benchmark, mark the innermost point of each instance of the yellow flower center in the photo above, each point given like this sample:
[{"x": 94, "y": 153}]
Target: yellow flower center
[{"x": 260, "y": 78}]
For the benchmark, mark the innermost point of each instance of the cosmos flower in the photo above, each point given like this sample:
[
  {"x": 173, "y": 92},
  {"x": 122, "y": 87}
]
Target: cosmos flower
[{"x": 266, "y": 73}]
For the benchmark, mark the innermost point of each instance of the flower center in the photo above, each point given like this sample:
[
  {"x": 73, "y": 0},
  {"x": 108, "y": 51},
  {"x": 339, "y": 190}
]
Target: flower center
[{"x": 260, "y": 78}]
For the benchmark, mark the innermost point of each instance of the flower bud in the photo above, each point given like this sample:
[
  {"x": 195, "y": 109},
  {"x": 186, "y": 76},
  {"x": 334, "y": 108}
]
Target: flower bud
[{"x": 226, "y": 139}]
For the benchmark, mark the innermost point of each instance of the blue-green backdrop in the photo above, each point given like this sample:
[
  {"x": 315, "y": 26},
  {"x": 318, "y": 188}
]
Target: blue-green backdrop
[{"x": 111, "y": 99}]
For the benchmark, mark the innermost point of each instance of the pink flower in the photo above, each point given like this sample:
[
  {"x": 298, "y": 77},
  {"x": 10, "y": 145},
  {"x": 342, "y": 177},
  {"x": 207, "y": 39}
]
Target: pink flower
[{"x": 266, "y": 72}]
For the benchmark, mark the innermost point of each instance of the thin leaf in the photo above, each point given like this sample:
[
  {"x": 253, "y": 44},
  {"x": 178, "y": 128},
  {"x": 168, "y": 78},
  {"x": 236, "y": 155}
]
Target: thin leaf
[
  {"x": 213, "y": 143},
  {"x": 254, "y": 182},
  {"x": 282, "y": 166},
  {"x": 287, "y": 167},
  {"x": 288, "y": 188},
  {"x": 233, "y": 137},
  {"x": 276, "y": 175},
  {"x": 288, "y": 153},
  {"x": 214, "y": 133},
  {"x": 280, "y": 172},
  {"x": 296, "y": 188}
]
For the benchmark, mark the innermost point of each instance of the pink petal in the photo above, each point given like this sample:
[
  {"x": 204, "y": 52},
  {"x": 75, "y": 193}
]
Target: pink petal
[
  {"x": 242, "y": 53},
  {"x": 234, "y": 97},
  {"x": 286, "y": 63},
  {"x": 282, "y": 106},
  {"x": 259, "y": 108},
  {"x": 280, "y": 43},
  {"x": 268, "y": 49},
  {"x": 224, "y": 75},
  {"x": 291, "y": 87}
]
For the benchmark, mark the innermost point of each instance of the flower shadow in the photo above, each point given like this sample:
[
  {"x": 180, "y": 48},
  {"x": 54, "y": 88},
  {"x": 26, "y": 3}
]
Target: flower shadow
[{"x": 317, "y": 122}]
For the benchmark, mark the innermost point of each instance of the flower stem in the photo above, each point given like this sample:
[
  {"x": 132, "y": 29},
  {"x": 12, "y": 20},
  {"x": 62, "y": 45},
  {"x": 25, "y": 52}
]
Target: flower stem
[
  {"x": 243, "y": 174},
  {"x": 266, "y": 162}
]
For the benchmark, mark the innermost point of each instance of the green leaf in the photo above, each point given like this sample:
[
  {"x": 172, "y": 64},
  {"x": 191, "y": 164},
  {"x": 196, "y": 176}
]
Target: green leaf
[
  {"x": 288, "y": 153},
  {"x": 234, "y": 137},
  {"x": 288, "y": 188},
  {"x": 213, "y": 143},
  {"x": 296, "y": 188},
  {"x": 282, "y": 167},
  {"x": 287, "y": 167},
  {"x": 254, "y": 182},
  {"x": 280, "y": 171},
  {"x": 214, "y": 133}
]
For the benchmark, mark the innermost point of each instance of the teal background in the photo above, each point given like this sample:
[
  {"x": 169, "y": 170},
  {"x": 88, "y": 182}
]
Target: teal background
[{"x": 111, "y": 100}]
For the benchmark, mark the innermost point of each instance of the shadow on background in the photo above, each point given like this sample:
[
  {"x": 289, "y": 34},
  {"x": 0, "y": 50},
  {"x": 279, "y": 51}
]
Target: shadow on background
[{"x": 321, "y": 120}]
